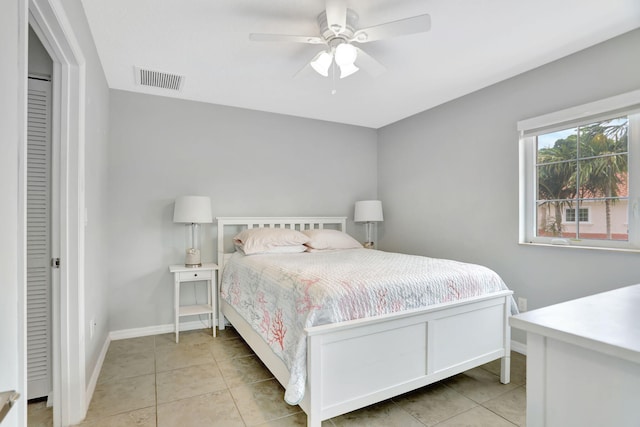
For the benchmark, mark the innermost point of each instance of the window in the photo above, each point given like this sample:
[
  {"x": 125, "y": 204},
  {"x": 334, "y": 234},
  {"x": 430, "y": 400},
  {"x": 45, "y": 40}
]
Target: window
[
  {"x": 570, "y": 215},
  {"x": 580, "y": 175}
]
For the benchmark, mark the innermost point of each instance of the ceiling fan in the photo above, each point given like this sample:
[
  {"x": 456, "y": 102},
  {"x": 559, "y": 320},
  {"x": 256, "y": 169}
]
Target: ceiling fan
[{"x": 339, "y": 32}]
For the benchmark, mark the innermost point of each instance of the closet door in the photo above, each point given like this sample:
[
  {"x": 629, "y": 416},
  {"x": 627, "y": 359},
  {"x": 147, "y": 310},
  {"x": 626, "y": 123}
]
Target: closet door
[{"x": 39, "y": 239}]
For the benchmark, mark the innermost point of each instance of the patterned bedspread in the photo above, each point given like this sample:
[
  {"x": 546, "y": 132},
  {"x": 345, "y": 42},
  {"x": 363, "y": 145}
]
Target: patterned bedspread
[{"x": 281, "y": 295}]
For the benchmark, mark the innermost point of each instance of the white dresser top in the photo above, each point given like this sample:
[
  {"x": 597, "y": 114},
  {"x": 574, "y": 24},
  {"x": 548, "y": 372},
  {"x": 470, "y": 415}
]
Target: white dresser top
[{"x": 608, "y": 322}]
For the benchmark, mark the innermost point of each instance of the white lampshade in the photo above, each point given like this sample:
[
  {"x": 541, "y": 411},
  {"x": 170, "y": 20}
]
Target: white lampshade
[
  {"x": 193, "y": 210},
  {"x": 346, "y": 54},
  {"x": 345, "y": 57},
  {"x": 368, "y": 211},
  {"x": 347, "y": 70},
  {"x": 321, "y": 63}
]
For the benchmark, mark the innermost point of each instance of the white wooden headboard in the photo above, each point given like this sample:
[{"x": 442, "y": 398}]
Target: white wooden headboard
[{"x": 229, "y": 226}]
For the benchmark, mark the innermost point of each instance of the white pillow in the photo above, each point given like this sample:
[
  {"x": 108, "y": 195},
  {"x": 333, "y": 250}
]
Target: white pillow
[
  {"x": 260, "y": 240},
  {"x": 294, "y": 249},
  {"x": 330, "y": 239}
]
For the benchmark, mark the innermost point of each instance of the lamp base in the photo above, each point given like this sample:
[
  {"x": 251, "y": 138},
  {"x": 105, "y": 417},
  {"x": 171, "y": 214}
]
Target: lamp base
[
  {"x": 193, "y": 258},
  {"x": 368, "y": 245}
]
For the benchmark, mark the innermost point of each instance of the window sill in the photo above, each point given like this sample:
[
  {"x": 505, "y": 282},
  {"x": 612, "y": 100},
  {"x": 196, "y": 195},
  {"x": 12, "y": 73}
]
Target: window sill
[{"x": 576, "y": 246}]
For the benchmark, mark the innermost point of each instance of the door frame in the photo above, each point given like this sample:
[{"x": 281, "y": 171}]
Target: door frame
[{"x": 49, "y": 22}]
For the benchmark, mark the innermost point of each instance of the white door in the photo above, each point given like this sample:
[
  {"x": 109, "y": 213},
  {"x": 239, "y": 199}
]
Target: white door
[{"x": 39, "y": 239}]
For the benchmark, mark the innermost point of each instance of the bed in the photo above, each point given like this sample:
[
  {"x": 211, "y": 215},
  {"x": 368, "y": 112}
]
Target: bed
[{"x": 350, "y": 364}]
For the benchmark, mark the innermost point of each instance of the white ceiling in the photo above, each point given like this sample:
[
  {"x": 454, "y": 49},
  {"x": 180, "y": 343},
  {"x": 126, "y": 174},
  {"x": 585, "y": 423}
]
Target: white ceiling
[{"x": 472, "y": 44}]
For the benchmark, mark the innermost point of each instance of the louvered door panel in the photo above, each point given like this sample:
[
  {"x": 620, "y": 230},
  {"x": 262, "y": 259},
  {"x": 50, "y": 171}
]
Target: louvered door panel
[{"x": 38, "y": 239}]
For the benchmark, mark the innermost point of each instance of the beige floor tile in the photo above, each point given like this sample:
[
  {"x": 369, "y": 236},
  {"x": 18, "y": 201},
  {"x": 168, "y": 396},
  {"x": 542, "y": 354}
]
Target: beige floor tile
[
  {"x": 165, "y": 339},
  {"x": 476, "y": 417},
  {"x": 230, "y": 348},
  {"x": 131, "y": 346},
  {"x": 243, "y": 370},
  {"x": 39, "y": 415},
  {"x": 188, "y": 382},
  {"x": 206, "y": 381},
  {"x": 123, "y": 395},
  {"x": 479, "y": 385},
  {"x": 126, "y": 365},
  {"x": 518, "y": 367},
  {"x": 210, "y": 410},
  {"x": 182, "y": 356},
  {"x": 140, "y": 418},
  {"x": 296, "y": 420},
  {"x": 434, "y": 403},
  {"x": 512, "y": 405},
  {"x": 383, "y": 414},
  {"x": 198, "y": 336},
  {"x": 261, "y": 402},
  {"x": 227, "y": 333}
]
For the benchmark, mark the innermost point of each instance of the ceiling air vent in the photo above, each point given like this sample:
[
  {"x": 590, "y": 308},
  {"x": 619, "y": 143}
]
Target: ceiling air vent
[{"x": 160, "y": 79}]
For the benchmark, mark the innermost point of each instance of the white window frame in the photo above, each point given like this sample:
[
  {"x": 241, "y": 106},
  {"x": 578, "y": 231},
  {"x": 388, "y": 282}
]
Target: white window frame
[{"x": 615, "y": 106}]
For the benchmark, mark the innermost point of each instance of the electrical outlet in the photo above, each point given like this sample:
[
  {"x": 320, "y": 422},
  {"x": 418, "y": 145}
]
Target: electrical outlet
[
  {"x": 522, "y": 304},
  {"x": 92, "y": 328}
]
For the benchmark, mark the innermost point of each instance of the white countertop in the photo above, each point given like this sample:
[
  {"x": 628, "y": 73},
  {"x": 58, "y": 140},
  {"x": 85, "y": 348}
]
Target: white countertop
[{"x": 608, "y": 322}]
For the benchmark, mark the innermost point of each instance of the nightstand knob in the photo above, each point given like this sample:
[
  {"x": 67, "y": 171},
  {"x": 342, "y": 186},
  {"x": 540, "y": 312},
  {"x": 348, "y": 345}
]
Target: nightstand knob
[{"x": 195, "y": 275}]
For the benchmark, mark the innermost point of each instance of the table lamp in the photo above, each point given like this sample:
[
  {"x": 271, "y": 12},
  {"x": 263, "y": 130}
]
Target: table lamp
[
  {"x": 368, "y": 211},
  {"x": 193, "y": 211}
]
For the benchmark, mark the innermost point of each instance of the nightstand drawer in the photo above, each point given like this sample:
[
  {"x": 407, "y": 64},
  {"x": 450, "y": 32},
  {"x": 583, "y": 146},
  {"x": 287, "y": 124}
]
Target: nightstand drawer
[{"x": 186, "y": 276}]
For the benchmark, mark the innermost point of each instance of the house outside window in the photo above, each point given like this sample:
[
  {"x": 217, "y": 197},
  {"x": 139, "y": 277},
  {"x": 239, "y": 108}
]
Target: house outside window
[
  {"x": 570, "y": 215},
  {"x": 582, "y": 163}
]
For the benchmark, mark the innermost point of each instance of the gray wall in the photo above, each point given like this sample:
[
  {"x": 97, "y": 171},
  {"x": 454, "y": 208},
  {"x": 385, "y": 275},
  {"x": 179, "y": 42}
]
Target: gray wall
[
  {"x": 13, "y": 33},
  {"x": 250, "y": 163},
  {"x": 448, "y": 177},
  {"x": 95, "y": 183},
  {"x": 39, "y": 60}
]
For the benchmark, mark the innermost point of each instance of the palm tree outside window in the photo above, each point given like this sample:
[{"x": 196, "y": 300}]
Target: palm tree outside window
[{"x": 582, "y": 169}]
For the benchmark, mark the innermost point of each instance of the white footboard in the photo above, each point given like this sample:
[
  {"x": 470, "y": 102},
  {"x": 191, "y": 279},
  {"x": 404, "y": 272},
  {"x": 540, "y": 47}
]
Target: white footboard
[{"x": 354, "y": 364}]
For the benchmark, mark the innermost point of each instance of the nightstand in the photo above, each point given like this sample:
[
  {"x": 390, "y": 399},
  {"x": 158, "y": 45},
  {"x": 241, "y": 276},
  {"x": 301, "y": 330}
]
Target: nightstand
[{"x": 182, "y": 274}]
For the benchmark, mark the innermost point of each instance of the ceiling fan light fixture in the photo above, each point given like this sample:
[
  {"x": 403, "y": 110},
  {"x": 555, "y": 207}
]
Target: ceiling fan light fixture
[
  {"x": 346, "y": 54},
  {"x": 345, "y": 57},
  {"x": 347, "y": 69},
  {"x": 338, "y": 27},
  {"x": 321, "y": 63}
]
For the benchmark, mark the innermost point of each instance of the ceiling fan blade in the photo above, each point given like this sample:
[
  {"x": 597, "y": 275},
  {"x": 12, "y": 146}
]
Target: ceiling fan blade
[
  {"x": 401, "y": 27},
  {"x": 259, "y": 37},
  {"x": 305, "y": 72},
  {"x": 369, "y": 64},
  {"x": 337, "y": 15}
]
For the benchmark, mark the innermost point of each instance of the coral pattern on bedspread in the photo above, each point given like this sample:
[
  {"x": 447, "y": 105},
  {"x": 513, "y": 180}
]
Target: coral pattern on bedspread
[{"x": 282, "y": 294}]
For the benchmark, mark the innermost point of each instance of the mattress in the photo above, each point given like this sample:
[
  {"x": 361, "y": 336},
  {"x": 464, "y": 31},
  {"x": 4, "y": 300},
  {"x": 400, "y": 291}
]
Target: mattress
[{"x": 280, "y": 295}]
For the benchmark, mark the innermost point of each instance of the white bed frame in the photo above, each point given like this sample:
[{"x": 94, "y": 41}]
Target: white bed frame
[{"x": 356, "y": 363}]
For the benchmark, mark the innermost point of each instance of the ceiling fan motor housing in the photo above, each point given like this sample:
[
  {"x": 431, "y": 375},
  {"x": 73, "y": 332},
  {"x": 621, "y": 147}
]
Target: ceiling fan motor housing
[{"x": 333, "y": 39}]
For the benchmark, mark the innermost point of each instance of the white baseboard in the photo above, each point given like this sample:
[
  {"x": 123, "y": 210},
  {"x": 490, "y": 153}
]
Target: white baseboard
[
  {"x": 133, "y": 333},
  {"x": 93, "y": 381},
  {"x": 158, "y": 329},
  {"x": 519, "y": 347}
]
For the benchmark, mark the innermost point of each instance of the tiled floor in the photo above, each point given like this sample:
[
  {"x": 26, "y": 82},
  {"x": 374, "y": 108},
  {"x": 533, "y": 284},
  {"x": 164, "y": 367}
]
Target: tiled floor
[{"x": 152, "y": 381}]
